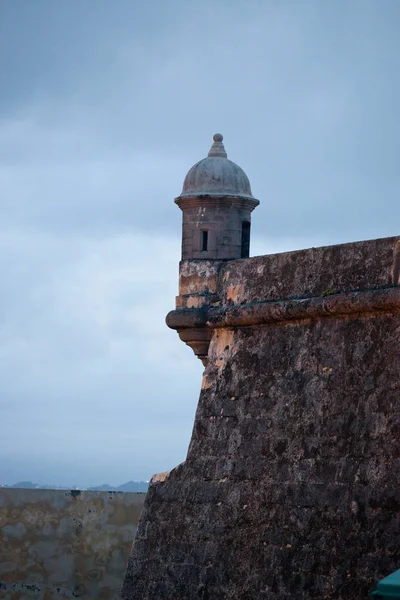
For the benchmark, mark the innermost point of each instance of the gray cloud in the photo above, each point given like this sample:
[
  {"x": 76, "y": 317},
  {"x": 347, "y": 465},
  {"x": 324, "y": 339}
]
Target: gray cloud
[
  {"x": 87, "y": 363},
  {"x": 104, "y": 107}
]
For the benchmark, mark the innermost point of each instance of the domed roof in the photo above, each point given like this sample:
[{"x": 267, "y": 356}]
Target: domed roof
[{"x": 216, "y": 175}]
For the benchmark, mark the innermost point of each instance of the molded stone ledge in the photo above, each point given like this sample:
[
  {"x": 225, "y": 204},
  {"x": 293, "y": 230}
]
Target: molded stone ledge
[
  {"x": 262, "y": 313},
  {"x": 187, "y": 318},
  {"x": 335, "y": 305},
  {"x": 195, "y": 325},
  {"x": 216, "y": 200}
]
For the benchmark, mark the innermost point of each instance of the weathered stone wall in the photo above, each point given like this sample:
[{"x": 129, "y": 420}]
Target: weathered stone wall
[
  {"x": 290, "y": 487},
  {"x": 65, "y": 544}
]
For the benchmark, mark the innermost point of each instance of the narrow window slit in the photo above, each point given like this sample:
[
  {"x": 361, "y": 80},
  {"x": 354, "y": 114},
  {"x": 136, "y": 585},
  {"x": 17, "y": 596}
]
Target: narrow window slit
[
  {"x": 245, "y": 239},
  {"x": 204, "y": 241}
]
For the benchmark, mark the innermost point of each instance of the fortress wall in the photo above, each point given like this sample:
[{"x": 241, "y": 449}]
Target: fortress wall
[
  {"x": 65, "y": 544},
  {"x": 311, "y": 272},
  {"x": 290, "y": 487}
]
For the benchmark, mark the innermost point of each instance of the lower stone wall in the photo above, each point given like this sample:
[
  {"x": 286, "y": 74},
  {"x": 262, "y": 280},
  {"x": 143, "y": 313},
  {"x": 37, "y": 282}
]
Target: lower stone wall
[
  {"x": 65, "y": 544},
  {"x": 290, "y": 487}
]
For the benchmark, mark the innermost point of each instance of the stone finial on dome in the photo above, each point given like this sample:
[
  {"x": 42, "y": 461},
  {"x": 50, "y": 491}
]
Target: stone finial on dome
[{"x": 218, "y": 149}]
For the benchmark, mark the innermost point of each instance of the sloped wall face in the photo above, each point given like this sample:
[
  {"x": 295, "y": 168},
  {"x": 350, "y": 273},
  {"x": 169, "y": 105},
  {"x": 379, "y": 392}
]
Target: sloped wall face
[
  {"x": 65, "y": 544},
  {"x": 290, "y": 487},
  {"x": 302, "y": 443}
]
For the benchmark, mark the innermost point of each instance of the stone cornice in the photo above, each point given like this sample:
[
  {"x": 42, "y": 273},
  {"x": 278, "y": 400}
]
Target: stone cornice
[
  {"x": 264, "y": 313},
  {"x": 215, "y": 201}
]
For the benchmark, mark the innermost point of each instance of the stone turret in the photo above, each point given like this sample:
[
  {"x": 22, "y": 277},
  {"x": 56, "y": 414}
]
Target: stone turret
[{"x": 216, "y": 203}]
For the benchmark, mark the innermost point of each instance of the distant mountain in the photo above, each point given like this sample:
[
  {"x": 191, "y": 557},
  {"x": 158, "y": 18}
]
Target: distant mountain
[
  {"x": 102, "y": 488},
  {"x": 133, "y": 486},
  {"x": 27, "y": 485},
  {"x": 129, "y": 486}
]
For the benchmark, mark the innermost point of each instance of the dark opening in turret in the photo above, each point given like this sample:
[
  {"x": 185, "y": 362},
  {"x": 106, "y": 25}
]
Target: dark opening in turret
[
  {"x": 245, "y": 239},
  {"x": 204, "y": 241}
]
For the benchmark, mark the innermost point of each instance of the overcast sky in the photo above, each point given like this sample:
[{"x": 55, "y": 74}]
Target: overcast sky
[{"x": 104, "y": 106}]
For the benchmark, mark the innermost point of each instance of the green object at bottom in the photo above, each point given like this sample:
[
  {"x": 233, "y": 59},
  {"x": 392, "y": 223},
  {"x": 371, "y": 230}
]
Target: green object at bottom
[{"x": 389, "y": 587}]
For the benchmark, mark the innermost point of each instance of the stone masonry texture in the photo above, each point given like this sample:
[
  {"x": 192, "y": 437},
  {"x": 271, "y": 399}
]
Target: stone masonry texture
[
  {"x": 222, "y": 219},
  {"x": 290, "y": 486},
  {"x": 65, "y": 544}
]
